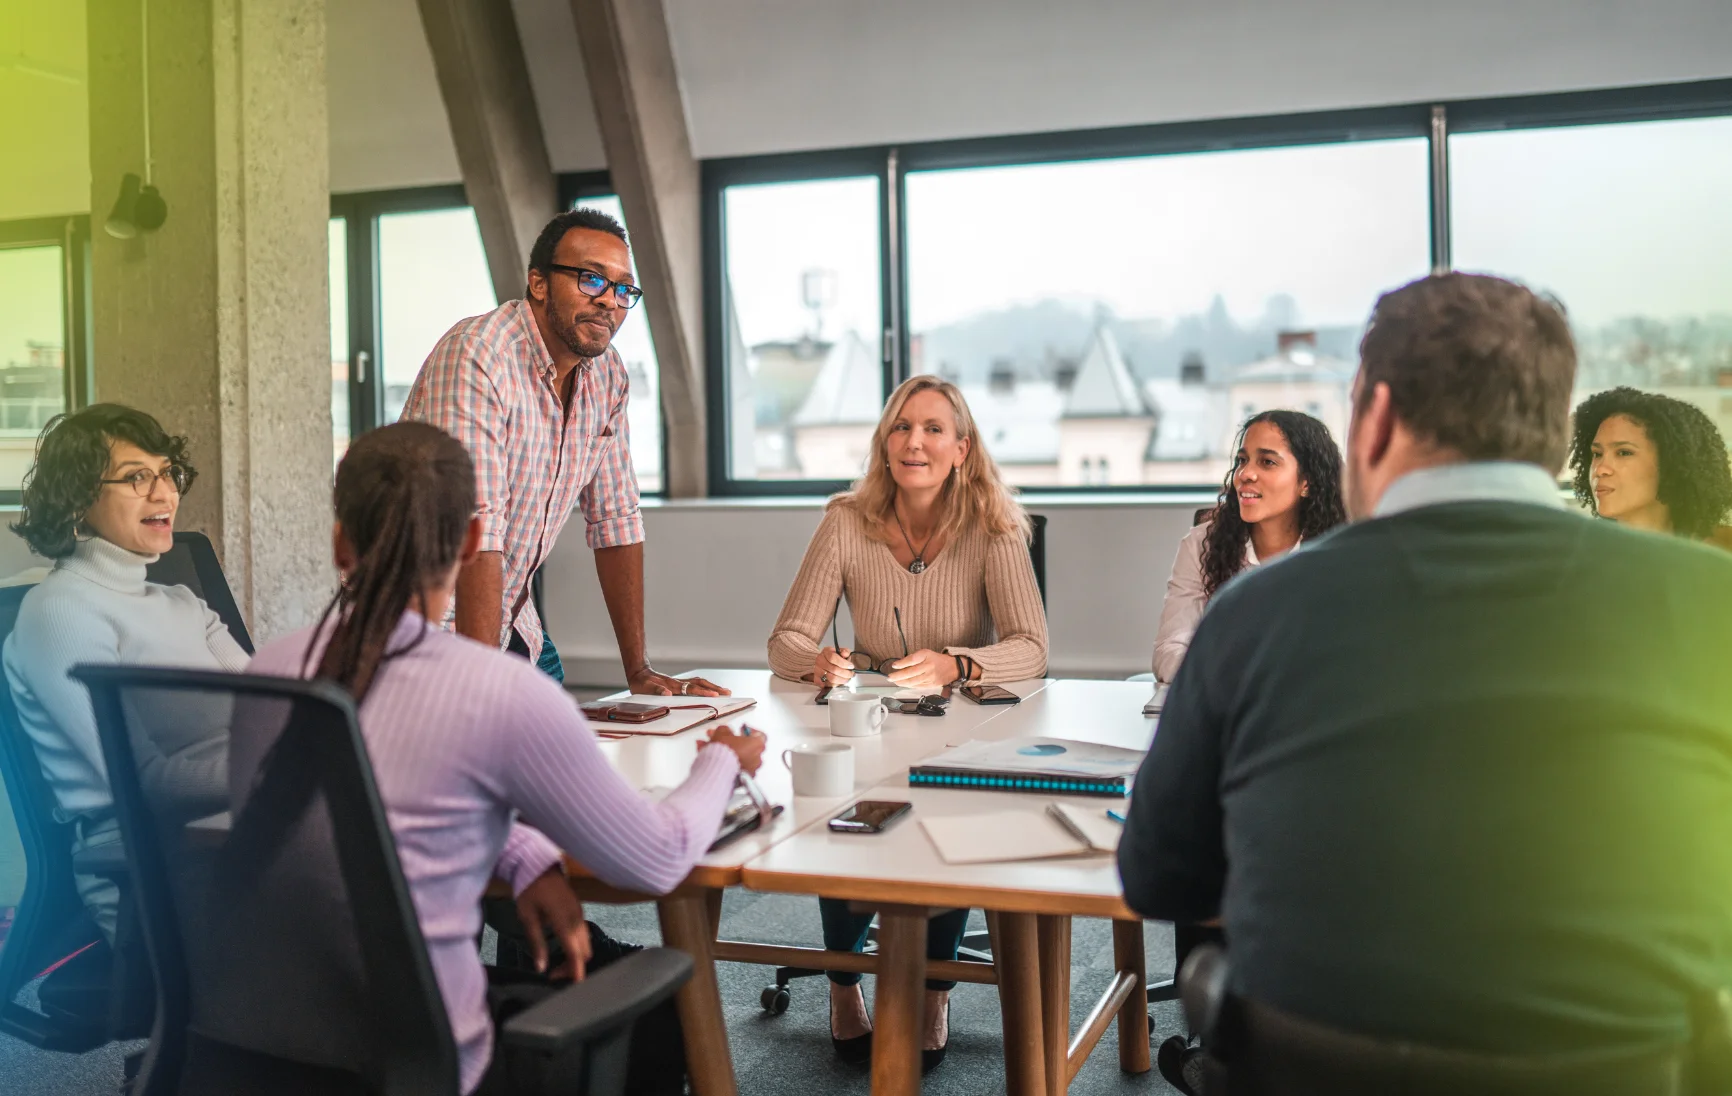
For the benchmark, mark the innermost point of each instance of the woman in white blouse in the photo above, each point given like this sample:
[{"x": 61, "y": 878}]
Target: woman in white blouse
[{"x": 1285, "y": 486}]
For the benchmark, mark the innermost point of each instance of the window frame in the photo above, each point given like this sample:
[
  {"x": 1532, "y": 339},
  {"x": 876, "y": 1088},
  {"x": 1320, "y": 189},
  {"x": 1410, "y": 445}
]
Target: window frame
[
  {"x": 1435, "y": 121},
  {"x": 72, "y": 235}
]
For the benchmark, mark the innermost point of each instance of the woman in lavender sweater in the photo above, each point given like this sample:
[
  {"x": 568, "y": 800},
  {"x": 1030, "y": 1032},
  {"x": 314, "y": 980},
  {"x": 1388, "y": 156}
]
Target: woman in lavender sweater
[{"x": 461, "y": 736}]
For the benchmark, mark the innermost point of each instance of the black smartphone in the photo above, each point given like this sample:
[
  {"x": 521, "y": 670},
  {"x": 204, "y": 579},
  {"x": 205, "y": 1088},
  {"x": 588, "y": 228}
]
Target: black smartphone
[
  {"x": 870, "y": 816},
  {"x": 824, "y": 695},
  {"x": 990, "y": 694}
]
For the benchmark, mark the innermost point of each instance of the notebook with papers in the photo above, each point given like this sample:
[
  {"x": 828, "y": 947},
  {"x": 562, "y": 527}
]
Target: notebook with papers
[
  {"x": 1032, "y": 765},
  {"x": 684, "y": 713},
  {"x": 1061, "y": 830}
]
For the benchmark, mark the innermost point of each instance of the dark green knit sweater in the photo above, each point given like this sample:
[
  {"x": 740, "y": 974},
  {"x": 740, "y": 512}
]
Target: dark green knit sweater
[{"x": 1462, "y": 775}]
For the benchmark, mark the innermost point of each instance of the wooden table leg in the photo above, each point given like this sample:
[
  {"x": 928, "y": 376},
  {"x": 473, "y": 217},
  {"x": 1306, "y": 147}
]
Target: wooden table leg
[
  {"x": 900, "y": 1002},
  {"x": 686, "y": 925},
  {"x": 1015, "y": 954},
  {"x": 1134, "y": 1016},
  {"x": 1054, "y": 945}
]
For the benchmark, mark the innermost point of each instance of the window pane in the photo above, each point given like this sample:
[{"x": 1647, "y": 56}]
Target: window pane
[
  {"x": 805, "y": 378},
  {"x": 1628, "y": 226},
  {"x": 1112, "y": 322},
  {"x": 32, "y": 353},
  {"x": 632, "y": 340},
  {"x": 339, "y": 338},
  {"x": 432, "y": 273}
]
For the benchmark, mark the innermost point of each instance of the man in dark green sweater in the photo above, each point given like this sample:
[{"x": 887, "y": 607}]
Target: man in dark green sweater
[{"x": 1461, "y": 772}]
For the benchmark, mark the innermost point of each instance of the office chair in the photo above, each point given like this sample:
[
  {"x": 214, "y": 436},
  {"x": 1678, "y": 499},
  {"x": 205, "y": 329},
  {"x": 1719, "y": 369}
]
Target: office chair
[
  {"x": 1037, "y": 553},
  {"x": 89, "y": 998},
  {"x": 310, "y": 972},
  {"x": 1255, "y": 1050},
  {"x": 192, "y": 563}
]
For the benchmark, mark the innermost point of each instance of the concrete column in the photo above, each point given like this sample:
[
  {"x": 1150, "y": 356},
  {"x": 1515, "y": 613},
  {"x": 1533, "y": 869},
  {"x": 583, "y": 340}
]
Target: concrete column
[
  {"x": 506, "y": 171},
  {"x": 630, "y": 64},
  {"x": 218, "y": 323}
]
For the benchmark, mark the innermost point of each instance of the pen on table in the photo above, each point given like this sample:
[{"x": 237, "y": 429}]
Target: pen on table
[{"x": 1115, "y": 816}]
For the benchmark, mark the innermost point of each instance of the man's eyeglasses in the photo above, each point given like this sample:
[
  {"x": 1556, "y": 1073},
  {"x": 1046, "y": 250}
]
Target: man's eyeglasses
[
  {"x": 592, "y": 284},
  {"x": 143, "y": 481}
]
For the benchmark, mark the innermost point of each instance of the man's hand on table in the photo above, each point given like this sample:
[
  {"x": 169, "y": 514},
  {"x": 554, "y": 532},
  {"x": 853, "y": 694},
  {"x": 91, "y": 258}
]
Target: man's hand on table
[
  {"x": 548, "y": 906},
  {"x": 747, "y": 744},
  {"x": 645, "y": 681}
]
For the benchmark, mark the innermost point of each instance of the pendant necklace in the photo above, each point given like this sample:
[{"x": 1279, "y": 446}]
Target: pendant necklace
[{"x": 919, "y": 563}]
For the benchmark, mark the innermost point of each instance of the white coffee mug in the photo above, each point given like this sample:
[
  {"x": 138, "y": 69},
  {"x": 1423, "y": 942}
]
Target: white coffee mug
[
  {"x": 856, "y": 715},
  {"x": 823, "y": 769}
]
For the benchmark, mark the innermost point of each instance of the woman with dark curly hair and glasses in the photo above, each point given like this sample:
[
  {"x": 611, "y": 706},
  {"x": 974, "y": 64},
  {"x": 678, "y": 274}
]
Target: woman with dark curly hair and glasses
[
  {"x": 1652, "y": 462},
  {"x": 1284, "y": 487},
  {"x": 101, "y": 501}
]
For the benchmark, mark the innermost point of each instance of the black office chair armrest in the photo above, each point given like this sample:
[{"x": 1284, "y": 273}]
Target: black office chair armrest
[
  {"x": 609, "y": 999},
  {"x": 109, "y": 860}
]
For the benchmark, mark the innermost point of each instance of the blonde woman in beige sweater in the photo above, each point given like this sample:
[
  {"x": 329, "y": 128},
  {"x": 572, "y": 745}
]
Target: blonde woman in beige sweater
[{"x": 929, "y": 544}]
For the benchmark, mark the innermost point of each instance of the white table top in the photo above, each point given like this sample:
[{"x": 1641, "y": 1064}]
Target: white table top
[
  {"x": 787, "y": 714},
  {"x": 901, "y": 863}
]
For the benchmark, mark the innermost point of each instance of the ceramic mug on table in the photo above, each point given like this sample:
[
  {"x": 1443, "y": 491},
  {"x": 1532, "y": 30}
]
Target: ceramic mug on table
[
  {"x": 856, "y": 715},
  {"x": 823, "y": 769}
]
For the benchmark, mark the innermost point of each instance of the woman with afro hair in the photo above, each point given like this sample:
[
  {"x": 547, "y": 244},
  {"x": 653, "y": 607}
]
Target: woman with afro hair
[
  {"x": 1284, "y": 488},
  {"x": 1652, "y": 462}
]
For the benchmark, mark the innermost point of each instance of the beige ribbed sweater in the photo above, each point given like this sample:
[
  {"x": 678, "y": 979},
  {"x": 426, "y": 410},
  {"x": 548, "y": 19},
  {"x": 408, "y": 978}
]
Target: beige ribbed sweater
[{"x": 978, "y": 598}]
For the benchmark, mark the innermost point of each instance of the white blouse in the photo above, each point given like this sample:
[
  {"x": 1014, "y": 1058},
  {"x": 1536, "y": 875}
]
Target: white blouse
[{"x": 1185, "y": 602}]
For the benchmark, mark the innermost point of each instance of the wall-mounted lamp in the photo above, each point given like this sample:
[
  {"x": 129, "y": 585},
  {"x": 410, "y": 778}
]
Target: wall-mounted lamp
[{"x": 139, "y": 208}]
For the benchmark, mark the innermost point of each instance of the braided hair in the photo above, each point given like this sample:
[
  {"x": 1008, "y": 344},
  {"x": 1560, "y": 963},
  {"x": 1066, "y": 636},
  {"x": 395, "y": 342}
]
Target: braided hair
[
  {"x": 404, "y": 496},
  {"x": 1320, "y": 510}
]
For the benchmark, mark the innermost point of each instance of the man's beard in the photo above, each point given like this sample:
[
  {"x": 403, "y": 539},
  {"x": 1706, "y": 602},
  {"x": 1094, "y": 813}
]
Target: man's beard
[{"x": 567, "y": 329}]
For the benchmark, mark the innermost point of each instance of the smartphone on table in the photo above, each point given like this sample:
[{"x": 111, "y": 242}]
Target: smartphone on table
[
  {"x": 990, "y": 694},
  {"x": 869, "y": 816}
]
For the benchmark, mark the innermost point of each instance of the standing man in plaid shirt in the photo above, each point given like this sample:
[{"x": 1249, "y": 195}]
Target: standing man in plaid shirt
[{"x": 537, "y": 394}]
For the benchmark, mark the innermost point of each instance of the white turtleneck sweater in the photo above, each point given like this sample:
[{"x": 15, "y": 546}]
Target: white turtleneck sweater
[{"x": 95, "y": 606}]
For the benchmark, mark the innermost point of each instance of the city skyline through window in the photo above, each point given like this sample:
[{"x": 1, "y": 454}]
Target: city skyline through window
[
  {"x": 32, "y": 352},
  {"x": 1113, "y": 322},
  {"x": 1627, "y": 226}
]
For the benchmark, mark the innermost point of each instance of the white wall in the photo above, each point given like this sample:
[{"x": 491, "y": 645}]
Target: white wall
[
  {"x": 775, "y": 75},
  {"x": 716, "y": 574}
]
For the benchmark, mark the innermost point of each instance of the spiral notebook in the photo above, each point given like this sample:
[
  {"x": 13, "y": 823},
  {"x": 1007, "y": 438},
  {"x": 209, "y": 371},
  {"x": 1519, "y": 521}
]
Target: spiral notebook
[{"x": 1032, "y": 765}]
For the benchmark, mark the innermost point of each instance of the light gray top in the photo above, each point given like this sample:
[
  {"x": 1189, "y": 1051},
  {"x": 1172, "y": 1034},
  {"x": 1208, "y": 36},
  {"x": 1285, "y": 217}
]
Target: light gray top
[
  {"x": 95, "y": 606},
  {"x": 1471, "y": 481}
]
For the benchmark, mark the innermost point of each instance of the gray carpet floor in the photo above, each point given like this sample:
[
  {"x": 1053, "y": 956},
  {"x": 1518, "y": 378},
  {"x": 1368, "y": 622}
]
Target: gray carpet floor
[{"x": 787, "y": 1055}]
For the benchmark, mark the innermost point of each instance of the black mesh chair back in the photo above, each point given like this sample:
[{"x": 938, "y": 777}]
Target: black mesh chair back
[
  {"x": 1037, "y": 552},
  {"x": 51, "y": 922},
  {"x": 286, "y": 939},
  {"x": 192, "y": 563}
]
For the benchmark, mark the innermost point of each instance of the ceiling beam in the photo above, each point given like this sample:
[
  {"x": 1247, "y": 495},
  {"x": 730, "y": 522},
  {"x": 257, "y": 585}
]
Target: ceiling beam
[
  {"x": 484, "y": 81},
  {"x": 630, "y": 65}
]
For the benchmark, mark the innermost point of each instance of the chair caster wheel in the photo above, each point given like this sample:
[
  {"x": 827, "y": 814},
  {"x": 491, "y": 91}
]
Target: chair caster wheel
[{"x": 774, "y": 999}]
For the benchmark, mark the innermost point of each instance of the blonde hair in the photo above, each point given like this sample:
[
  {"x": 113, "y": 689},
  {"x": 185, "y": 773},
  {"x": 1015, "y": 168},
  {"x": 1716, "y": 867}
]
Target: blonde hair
[{"x": 974, "y": 496}]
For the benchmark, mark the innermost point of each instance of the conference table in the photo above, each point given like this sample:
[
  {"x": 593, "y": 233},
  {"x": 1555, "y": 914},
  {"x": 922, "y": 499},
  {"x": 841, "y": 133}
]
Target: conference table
[{"x": 899, "y": 874}]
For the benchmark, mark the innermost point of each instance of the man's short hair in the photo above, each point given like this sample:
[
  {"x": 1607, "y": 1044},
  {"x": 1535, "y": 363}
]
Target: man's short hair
[
  {"x": 1474, "y": 364},
  {"x": 541, "y": 255}
]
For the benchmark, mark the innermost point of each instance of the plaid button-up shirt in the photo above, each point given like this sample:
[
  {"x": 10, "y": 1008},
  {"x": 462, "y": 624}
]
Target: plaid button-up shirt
[{"x": 489, "y": 383}]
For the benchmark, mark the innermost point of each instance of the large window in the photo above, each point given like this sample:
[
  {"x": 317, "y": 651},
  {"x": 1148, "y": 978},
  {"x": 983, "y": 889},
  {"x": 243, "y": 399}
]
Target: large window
[
  {"x": 1630, "y": 226},
  {"x": 1111, "y": 322},
  {"x": 803, "y": 317},
  {"x": 432, "y": 273},
  {"x": 405, "y": 267},
  {"x": 33, "y": 327},
  {"x": 1115, "y": 303}
]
